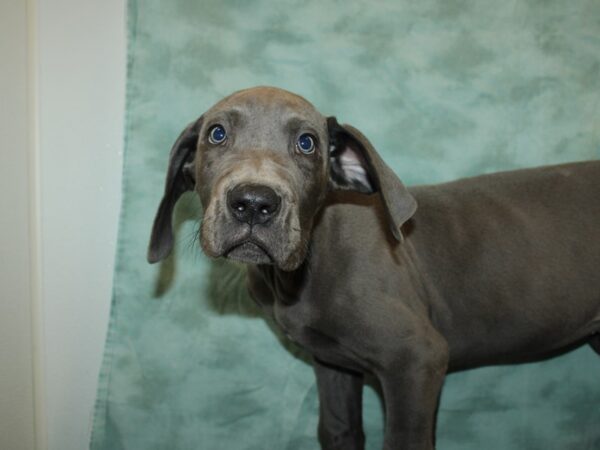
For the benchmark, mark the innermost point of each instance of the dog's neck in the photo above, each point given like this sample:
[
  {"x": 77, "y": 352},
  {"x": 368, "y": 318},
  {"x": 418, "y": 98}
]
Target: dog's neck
[{"x": 284, "y": 285}]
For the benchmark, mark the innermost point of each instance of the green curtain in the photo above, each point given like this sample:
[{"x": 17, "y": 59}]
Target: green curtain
[{"x": 444, "y": 89}]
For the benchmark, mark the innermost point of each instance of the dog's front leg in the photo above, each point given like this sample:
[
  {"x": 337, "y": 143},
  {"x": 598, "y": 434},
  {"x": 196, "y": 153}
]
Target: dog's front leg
[
  {"x": 340, "y": 408},
  {"x": 411, "y": 383}
]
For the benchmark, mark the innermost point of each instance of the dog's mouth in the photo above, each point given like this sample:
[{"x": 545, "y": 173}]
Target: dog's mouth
[{"x": 249, "y": 251}]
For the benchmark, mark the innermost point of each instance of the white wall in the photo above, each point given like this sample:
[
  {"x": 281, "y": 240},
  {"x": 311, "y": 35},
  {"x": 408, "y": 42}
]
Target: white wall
[
  {"x": 81, "y": 48},
  {"x": 16, "y": 351},
  {"x": 59, "y": 211}
]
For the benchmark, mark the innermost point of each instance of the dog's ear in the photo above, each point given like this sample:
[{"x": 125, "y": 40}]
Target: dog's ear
[
  {"x": 180, "y": 178},
  {"x": 355, "y": 165}
]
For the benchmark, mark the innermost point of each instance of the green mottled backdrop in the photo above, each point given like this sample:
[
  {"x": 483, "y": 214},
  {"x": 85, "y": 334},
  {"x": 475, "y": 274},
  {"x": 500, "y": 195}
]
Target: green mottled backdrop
[{"x": 443, "y": 89}]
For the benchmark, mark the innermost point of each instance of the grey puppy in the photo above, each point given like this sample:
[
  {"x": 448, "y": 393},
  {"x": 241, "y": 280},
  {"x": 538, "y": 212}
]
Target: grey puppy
[{"x": 499, "y": 268}]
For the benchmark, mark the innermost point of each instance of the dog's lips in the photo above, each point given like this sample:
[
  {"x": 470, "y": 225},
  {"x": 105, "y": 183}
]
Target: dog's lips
[{"x": 249, "y": 251}]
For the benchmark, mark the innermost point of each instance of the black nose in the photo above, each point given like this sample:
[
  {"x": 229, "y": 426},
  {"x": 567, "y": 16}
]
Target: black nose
[{"x": 253, "y": 203}]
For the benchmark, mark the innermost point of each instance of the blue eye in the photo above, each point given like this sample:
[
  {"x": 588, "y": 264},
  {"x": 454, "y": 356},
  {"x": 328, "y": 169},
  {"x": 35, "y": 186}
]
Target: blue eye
[
  {"x": 217, "y": 135},
  {"x": 306, "y": 144}
]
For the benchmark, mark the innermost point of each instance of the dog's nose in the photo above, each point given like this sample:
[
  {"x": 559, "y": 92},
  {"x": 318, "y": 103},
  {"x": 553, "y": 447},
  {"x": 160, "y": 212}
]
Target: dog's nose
[{"x": 253, "y": 203}]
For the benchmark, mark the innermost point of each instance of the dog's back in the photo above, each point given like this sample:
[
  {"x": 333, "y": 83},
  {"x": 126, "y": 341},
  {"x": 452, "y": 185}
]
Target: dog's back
[{"x": 514, "y": 258}]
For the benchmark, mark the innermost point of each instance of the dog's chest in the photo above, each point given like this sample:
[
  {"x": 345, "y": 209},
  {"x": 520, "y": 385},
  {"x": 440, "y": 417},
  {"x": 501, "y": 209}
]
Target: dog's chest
[
  {"x": 317, "y": 337},
  {"x": 292, "y": 319},
  {"x": 304, "y": 319}
]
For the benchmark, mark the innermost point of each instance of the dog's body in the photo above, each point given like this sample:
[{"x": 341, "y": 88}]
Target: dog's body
[
  {"x": 487, "y": 260},
  {"x": 493, "y": 269}
]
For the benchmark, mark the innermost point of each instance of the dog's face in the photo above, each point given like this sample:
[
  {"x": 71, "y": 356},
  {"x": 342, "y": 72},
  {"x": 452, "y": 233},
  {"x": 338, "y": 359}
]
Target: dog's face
[
  {"x": 261, "y": 174},
  {"x": 262, "y": 161}
]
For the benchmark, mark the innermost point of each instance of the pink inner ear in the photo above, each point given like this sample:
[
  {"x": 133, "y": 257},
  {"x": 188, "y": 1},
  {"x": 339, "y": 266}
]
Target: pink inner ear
[{"x": 353, "y": 166}]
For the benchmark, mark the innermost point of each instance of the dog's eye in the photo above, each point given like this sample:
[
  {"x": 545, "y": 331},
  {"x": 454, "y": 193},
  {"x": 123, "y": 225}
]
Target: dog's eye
[
  {"x": 217, "y": 135},
  {"x": 306, "y": 144}
]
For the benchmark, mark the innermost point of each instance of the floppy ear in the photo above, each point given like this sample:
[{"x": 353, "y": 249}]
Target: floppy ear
[
  {"x": 180, "y": 178},
  {"x": 355, "y": 165}
]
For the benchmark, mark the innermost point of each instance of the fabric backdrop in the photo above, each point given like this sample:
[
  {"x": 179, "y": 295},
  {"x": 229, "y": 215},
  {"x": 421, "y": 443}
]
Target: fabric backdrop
[{"x": 443, "y": 89}]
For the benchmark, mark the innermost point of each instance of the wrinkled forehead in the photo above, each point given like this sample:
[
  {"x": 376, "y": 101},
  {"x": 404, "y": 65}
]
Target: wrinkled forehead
[{"x": 268, "y": 106}]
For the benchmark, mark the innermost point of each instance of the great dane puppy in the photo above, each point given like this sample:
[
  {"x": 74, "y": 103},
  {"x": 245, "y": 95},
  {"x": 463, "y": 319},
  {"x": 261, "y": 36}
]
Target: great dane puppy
[{"x": 494, "y": 269}]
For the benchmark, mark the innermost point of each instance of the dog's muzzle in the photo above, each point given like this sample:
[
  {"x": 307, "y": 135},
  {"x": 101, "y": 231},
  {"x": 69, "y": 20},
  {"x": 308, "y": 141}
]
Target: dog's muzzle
[{"x": 253, "y": 207}]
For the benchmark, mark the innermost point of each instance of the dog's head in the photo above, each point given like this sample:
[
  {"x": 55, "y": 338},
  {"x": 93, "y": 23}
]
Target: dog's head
[{"x": 262, "y": 161}]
